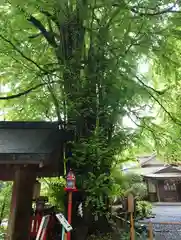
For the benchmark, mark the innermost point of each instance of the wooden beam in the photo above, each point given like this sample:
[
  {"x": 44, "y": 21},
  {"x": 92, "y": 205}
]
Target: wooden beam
[
  {"x": 19, "y": 220},
  {"x": 52, "y": 169},
  {"x": 23, "y": 158}
]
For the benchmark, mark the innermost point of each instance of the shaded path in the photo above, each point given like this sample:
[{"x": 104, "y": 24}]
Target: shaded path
[{"x": 168, "y": 214}]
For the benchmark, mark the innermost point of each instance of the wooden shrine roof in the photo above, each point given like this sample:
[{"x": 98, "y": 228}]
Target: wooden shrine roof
[{"x": 31, "y": 143}]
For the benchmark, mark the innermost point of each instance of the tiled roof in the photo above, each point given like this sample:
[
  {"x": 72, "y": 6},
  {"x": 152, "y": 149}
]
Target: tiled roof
[
  {"x": 144, "y": 171},
  {"x": 145, "y": 158},
  {"x": 164, "y": 175},
  {"x": 32, "y": 143},
  {"x": 149, "y": 160},
  {"x": 153, "y": 168},
  {"x": 30, "y": 137}
]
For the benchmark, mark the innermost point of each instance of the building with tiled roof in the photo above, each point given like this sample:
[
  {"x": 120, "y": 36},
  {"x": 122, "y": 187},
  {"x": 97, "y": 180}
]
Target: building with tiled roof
[{"x": 163, "y": 180}]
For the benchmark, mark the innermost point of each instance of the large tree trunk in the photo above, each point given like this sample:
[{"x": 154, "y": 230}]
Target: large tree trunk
[
  {"x": 88, "y": 224},
  {"x": 81, "y": 110}
]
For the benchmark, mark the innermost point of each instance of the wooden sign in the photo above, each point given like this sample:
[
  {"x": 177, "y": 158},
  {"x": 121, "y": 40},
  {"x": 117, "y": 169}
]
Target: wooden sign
[
  {"x": 64, "y": 222},
  {"x": 130, "y": 203}
]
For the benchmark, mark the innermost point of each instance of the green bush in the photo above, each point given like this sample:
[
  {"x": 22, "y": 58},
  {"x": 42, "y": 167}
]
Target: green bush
[
  {"x": 123, "y": 236},
  {"x": 5, "y": 198},
  {"x": 2, "y": 233},
  {"x": 101, "y": 237},
  {"x": 143, "y": 209},
  {"x": 126, "y": 183},
  {"x": 53, "y": 188},
  {"x": 126, "y": 236}
]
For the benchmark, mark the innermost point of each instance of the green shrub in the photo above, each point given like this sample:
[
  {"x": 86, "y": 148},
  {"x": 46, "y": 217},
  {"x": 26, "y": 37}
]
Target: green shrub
[
  {"x": 123, "y": 236},
  {"x": 2, "y": 233},
  {"x": 53, "y": 188},
  {"x": 101, "y": 237},
  {"x": 143, "y": 209}
]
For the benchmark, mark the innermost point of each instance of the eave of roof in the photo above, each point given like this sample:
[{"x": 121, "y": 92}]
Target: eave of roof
[
  {"x": 145, "y": 159},
  {"x": 163, "y": 175},
  {"x": 31, "y": 142},
  {"x": 19, "y": 137},
  {"x": 168, "y": 168},
  {"x": 29, "y": 125},
  {"x": 144, "y": 171}
]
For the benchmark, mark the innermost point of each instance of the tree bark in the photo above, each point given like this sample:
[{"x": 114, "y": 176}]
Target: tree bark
[{"x": 86, "y": 225}]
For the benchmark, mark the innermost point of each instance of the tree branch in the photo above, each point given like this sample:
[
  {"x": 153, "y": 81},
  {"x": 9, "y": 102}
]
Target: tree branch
[
  {"x": 48, "y": 35},
  {"x": 174, "y": 119},
  {"x": 55, "y": 100},
  {"x": 146, "y": 126},
  {"x": 152, "y": 89},
  {"x": 26, "y": 91},
  {"x": 22, "y": 54},
  {"x": 53, "y": 18},
  {"x": 135, "y": 40},
  {"x": 35, "y": 35},
  {"x": 150, "y": 13},
  {"x": 153, "y": 13}
]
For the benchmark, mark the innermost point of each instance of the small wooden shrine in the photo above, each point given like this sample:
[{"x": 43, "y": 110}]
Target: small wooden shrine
[
  {"x": 28, "y": 150},
  {"x": 163, "y": 180}
]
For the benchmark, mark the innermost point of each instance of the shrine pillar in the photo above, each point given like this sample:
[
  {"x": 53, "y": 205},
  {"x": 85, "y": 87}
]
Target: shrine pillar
[{"x": 21, "y": 204}]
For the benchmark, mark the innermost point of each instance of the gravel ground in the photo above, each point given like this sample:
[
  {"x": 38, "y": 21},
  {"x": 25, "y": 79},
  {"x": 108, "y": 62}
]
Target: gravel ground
[{"x": 168, "y": 214}]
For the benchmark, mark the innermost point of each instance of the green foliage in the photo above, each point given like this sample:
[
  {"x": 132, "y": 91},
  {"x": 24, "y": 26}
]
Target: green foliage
[
  {"x": 139, "y": 190},
  {"x": 123, "y": 236},
  {"x": 2, "y": 233},
  {"x": 54, "y": 189},
  {"x": 129, "y": 183},
  {"x": 105, "y": 237},
  {"x": 126, "y": 236},
  {"x": 98, "y": 188},
  {"x": 144, "y": 209},
  {"x": 5, "y": 198},
  {"x": 93, "y": 159},
  {"x": 79, "y": 62}
]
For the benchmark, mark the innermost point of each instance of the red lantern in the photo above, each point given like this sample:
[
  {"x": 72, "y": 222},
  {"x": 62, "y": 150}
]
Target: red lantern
[{"x": 70, "y": 184}]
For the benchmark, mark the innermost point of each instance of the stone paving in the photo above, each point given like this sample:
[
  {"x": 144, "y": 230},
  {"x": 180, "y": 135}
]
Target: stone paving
[
  {"x": 169, "y": 214},
  {"x": 167, "y": 232}
]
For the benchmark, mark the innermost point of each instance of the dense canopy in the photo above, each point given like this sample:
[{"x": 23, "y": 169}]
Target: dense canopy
[{"x": 96, "y": 66}]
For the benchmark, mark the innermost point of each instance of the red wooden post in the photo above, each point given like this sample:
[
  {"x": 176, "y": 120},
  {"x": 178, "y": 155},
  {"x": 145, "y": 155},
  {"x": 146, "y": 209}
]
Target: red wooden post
[
  {"x": 71, "y": 187},
  {"x": 69, "y": 213}
]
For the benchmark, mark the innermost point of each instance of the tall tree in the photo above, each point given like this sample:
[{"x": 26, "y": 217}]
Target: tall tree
[{"x": 79, "y": 62}]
